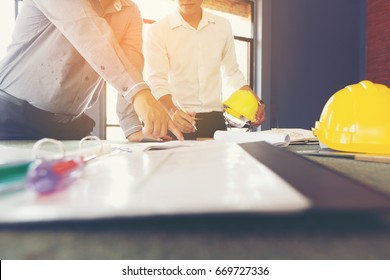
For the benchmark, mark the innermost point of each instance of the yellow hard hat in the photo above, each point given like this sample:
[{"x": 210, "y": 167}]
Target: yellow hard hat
[
  {"x": 242, "y": 104},
  {"x": 357, "y": 119}
]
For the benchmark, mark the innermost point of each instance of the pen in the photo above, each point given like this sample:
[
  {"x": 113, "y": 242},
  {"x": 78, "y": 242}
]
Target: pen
[
  {"x": 12, "y": 175},
  {"x": 185, "y": 111},
  {"x": 354, "y": 156}
]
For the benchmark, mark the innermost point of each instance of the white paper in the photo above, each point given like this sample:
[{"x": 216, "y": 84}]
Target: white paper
[
  {"x": 277, "y": 139},
  {"x": 297, "y": 135},
  {"x": 11, "y": 154},
  {"x": 149, "y": 146},
  {"x": 212, "y": 178}
]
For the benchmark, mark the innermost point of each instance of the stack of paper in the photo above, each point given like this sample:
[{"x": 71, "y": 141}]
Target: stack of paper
[
  {"x": 277, "y": 139},
  {"x": 297, "y": 135}
]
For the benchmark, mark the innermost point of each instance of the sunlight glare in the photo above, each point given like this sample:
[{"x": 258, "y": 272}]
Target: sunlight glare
[{"x": 6, "y": 24}]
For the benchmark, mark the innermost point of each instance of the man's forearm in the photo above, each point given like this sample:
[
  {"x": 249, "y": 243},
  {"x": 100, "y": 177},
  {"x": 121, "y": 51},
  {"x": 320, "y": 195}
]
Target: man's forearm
[{"x": 167, "y": 102}]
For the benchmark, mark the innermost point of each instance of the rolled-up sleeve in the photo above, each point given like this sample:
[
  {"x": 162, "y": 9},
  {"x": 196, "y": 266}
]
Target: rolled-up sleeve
[
  {"x": 229, "y": 66},
  {"x": 93, "y": 38},
  {"x": 128, "y": 118},
  {"x": 128, "y": 26}
]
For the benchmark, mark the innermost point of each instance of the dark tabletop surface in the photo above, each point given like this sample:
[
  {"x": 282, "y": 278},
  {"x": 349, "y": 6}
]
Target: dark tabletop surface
[{"x": 306, "y": 236}]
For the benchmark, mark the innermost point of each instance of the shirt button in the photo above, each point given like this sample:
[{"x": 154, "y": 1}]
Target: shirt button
[
  {"x": 125, "y": 88},
  {"x": 118, "y": 6}
]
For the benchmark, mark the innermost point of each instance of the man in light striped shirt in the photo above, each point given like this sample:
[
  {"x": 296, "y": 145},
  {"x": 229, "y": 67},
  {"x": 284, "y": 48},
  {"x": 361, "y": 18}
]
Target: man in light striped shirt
[{"x": 61, "y": 54}]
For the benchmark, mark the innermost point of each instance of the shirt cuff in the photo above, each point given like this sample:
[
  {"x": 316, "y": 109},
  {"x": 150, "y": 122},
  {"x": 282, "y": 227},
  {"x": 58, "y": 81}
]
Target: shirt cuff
[
  {"x": 130, "y": 124},
  {"x": 158, "y": 93},
  {"x": 129, "y": 93},
  {"x": 128, "y": 131}
]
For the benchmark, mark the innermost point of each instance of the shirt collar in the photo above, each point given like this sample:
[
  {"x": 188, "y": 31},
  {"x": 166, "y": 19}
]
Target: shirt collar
[{"x": 177, "y": 20}]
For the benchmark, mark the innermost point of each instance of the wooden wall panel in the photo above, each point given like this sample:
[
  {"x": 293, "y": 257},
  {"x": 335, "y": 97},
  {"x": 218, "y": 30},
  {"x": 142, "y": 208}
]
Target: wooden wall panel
[
  {"x": 378, "y": 41},
  {"x": 236, "y": 7}
]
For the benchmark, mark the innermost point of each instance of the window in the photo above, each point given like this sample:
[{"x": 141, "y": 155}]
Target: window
[
  {"x": 242, "y": 25},
  {"x": 7, "y": 22}
]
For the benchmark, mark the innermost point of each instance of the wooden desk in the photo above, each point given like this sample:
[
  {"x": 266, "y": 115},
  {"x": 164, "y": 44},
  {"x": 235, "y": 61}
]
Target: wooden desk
[{"x": 216, "y": 237}]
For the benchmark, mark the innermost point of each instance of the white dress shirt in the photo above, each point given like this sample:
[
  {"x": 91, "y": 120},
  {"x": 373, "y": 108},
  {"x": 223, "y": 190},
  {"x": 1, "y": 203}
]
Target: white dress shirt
[
  {"x": 191, "y": 63},
  {"x": 62, "y": 51}
]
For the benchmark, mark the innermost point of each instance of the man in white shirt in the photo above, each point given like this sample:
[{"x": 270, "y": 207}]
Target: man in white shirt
[
  {"x": 61, "y": 54},
  {"x": 188, "y": 54}
]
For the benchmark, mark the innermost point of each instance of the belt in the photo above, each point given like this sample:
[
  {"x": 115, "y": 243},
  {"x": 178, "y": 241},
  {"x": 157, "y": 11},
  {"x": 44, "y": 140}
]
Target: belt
[{"x": 59, "y": 118}]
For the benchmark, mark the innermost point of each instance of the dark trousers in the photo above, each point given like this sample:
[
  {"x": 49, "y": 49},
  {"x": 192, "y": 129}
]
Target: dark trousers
[
  {"x": 19, "y": 120},
  {"x": 207, "y": 124}
]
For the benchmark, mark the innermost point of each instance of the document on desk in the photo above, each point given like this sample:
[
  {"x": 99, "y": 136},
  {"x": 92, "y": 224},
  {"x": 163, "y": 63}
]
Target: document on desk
[
  {"x": 276, "y": 136},
  {"x": 11, "y": 154},
  {"x": 204, "y": 179},
  {"x": 297, "y": 135},
  {"x": 234, "y": 136},
  {"x": 160, "y": 145}
]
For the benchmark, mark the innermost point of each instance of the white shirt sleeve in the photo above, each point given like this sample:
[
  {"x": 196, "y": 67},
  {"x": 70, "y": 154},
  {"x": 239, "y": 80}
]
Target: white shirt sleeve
[
  {"x": 157, "y": 61},
  {"x": 232, "y": 75},
  {"x": 93, "y": 38}
]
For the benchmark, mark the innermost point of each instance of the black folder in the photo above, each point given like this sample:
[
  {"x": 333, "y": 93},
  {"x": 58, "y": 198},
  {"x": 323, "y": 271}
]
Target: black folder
[{"x": 327, "y": 189}]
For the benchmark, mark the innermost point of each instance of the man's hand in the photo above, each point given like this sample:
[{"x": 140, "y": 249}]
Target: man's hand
[
  {"x": 155, "y": 118},
  {"x": 184, "y": 121},
  {"x": 138, "y": 136},
  {"x": 260, "y": 114}
]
